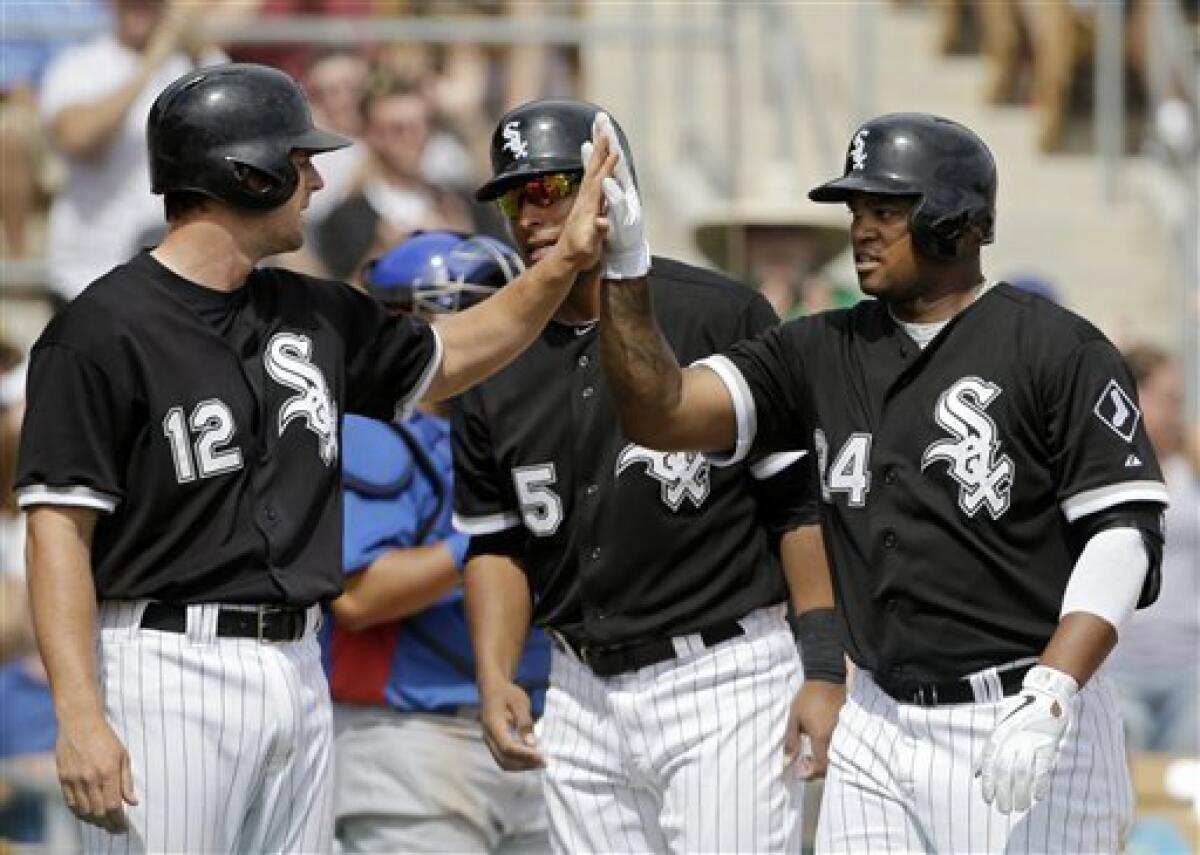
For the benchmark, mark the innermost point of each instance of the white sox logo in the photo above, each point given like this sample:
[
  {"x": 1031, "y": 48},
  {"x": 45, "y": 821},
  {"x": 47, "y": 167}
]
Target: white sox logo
[
  {"x": 985, "y": 479},
  {"x": 1117, "y": 410},
  {"x": 683, "y": 474},
  {"x": 858, "y": 149},
  {"x": 513, "y": 141},
  {"x": 288, "y": 362}
]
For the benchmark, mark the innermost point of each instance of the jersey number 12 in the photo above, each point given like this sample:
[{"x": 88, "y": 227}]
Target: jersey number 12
[{"x": 213, "y": 423}]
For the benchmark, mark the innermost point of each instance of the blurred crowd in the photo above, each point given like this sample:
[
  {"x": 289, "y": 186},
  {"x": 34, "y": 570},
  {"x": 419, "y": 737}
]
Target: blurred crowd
[
  {"x": 1041, "y": 54},
  {"x": 75, "y": 175},
  {"x": 75, "y": 193}
]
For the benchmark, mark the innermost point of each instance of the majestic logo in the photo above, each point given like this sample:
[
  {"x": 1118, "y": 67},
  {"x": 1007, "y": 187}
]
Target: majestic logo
[
  {"x": 288, "y": 362},
  {"x": 1117, "y": 410},
  {"x": 985, "y": 478},
  {"x": 683, "y": 474},
  {"x": 513, "y": 141},
  {"x": 858, "y": 149}
]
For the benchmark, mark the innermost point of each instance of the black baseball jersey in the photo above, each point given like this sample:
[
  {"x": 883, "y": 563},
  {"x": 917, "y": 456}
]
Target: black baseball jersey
[
  {"x": 204, "y": 426},
  {"x": 620, "y": 542},
  {"x": 950, "y": 475}
]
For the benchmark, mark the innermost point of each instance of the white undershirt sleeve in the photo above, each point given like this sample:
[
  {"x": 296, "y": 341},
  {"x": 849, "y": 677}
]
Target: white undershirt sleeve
[{"x": 1107, "y": 579}]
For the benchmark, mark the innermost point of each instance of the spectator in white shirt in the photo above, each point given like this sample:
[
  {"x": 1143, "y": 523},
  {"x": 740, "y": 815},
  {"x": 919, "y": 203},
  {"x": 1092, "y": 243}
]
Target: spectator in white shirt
[{"x": 94, "y": 102}]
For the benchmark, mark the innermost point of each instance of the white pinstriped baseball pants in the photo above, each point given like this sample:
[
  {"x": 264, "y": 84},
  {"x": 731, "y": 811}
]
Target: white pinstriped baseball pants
[
  {"x": 902, "y": 779},
  {"x": 229, "y": 738},
  {"x": 684, "y": 756}
]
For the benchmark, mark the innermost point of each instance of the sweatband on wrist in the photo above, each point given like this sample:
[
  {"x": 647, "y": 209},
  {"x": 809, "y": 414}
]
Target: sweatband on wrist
[{"x": 817, "y": 637}]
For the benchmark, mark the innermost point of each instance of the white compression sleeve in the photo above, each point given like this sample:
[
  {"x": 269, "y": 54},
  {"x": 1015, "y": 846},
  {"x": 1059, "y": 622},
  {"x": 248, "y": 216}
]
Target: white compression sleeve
[{"x": 1108, "y": 576}]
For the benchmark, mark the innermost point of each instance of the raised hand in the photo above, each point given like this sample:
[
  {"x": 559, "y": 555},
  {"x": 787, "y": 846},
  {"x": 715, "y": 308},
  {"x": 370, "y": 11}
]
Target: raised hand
[
  {"x": 581, "y": 241},
  {"x": 626, "y": 255}
]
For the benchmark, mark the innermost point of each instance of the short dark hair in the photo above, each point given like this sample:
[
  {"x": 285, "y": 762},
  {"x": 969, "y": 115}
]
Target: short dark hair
[{"x": 179, "y": 203}]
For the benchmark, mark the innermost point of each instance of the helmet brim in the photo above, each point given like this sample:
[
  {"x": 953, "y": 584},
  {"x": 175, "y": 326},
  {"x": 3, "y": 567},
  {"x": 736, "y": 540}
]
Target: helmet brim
[
  {"x": 841, "y": 189},
  {"x": 316, "y": 141},
  {"x": 499, "y": 185}
]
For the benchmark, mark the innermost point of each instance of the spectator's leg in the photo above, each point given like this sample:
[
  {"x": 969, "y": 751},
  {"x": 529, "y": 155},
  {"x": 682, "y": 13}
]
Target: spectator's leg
[
  {"x": 18, "y": 129},
  {"x": 1056, "y": 49},
  {"x": 1001, "y": 27}
]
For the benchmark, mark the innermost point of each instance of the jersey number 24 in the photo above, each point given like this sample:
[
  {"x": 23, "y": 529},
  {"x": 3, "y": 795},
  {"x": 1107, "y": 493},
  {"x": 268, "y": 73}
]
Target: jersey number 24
[{"x": 850, "y": 471}]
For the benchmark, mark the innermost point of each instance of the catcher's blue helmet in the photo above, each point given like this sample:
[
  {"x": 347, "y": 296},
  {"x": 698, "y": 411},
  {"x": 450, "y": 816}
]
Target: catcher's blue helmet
[{"x": 441, "y": 271}]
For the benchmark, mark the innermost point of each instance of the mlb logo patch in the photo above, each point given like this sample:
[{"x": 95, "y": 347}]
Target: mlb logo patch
[{"x": 1117, "y": 410}]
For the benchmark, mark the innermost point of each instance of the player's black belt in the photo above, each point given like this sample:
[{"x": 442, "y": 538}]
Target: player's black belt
[
  {"x": 953, "y": 692},
  {"x": 264, "y": 623},
  {"x": 608, "y": 661}
]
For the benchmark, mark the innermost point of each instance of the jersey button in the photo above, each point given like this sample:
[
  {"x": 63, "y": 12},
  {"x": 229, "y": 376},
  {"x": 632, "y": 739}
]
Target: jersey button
[
  {"x": 270, "y": 513},
  {"x": 889, "y": 475},
  {"x": 585, "y": 361},
  {"x": 595, "y": 554},
  {"x": 889, "y": 539},
  {"x": 591, "y": 489},
  {"x": 588, "y": 391},
  {"x": 891, "y": 604}
]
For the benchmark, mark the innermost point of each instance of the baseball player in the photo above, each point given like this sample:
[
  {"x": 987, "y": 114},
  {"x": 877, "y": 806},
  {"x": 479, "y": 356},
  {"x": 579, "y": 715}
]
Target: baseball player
[
  {"x": 674, "y": 673},
  {"x": 412, "y": 773},
  {"x": 990, "y": 500},
  {"x": 179, "y": 463}
]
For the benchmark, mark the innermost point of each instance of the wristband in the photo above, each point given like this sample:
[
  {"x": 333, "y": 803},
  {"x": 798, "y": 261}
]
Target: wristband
[{"x": 816, "y": 634}]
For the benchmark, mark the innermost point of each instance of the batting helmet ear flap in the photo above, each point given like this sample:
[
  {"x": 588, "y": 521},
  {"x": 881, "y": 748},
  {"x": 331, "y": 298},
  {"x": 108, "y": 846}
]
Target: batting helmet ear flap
[
  {"x": 263, "y": 188},
  {"x": 942, "y": 218}
]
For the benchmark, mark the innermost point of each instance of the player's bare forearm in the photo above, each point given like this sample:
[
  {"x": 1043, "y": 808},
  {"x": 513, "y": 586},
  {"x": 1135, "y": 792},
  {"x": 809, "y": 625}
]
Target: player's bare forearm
[
  {"x": 659, "y": 404},
  {"x": 499, "y": 607},
  {"x": 62, "y": 599},
  {"x": 643, "y": 373},
  {"x": 1080, "y": 645},
  {"x": 396, "y": 585},
  {"x": 483, "y": 339},
  {"x": 806, "y": 569}
]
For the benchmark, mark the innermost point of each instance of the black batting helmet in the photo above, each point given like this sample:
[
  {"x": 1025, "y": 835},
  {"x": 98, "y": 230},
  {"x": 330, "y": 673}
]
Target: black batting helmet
[
  {"x": 540, "y": 138},
  {"x": 938, "y": 160},
  {"x": 213, "y": 125}
]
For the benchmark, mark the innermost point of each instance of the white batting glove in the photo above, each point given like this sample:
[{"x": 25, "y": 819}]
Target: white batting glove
[
  {"x": 1019, "y": 758},
  {"x": 626, "y": 253}
]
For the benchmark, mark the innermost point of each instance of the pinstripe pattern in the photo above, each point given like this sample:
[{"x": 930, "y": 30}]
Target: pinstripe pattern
[
  {"x": 229, "y": 739},
  {"x": 901, "y": 779},
  {"x": 683, "y": 756}
]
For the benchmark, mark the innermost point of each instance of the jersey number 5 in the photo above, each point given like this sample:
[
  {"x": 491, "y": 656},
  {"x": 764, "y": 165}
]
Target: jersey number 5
[
  {"x": 213, "y": 423},
  {"x": 541, "y": 507},
  {"x": 850, "y": 472}
]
